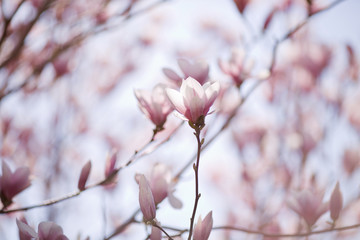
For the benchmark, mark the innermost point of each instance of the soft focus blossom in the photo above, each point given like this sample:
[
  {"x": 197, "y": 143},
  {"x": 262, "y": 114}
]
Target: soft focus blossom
[
  {"x": 25, "y": 231},
  {"x": 46, "y": 231},
  {"x": 203, "y": 227},
  {"x": 309, "y": 205},
  {"x": 336, "y": 202},
  {"x": 193, "y": 101},
  {"x": 154, "y": 105},
  {"x": 162, "y": 186},
  {"x": 12, "y": 183},
  {"x": 351, "y": 159},
  {"x": 50, "y": 231},
  {"x": 198, "y": 70},
  {"x": 146, "y": 199},
  {"x": 236, "y": 67}
]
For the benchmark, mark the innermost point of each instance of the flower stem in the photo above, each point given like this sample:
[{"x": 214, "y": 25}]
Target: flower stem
[{"x": 196, "y": 169}]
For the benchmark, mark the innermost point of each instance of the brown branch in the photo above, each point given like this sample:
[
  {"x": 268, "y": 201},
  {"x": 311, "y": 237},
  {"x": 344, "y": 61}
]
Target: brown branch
[
  {"x": 137, "y": 155},
  {"x": 71, "y": 43},
  {"x": 270, "y": 235},
  {"x": 7, "y": 21},
  {"x": 19, "y": 46},
  {"x": 123, "y": 226}
]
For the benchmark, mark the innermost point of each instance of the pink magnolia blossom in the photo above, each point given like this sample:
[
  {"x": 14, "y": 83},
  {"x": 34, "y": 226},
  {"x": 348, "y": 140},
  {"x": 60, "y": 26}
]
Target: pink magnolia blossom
[
  {"x": 203, "y": 227},
  {"x": 351, "y": 160},
  {"x": 162, "y": 186},
  {"x": 50, "y": 231},
  {"x": 236, "y": 67},
  {"x": 336, "y": 202},
  {"x": 193, "y": 101},
  {"x": 12, "y": 183},
  {"x": 309, "y": 205},
  {"x": 146, "y": 199},
  {"x": 46, "y": 231},
  {"x": 154, "y": 105},
  {"x": 198, "y": 70}
]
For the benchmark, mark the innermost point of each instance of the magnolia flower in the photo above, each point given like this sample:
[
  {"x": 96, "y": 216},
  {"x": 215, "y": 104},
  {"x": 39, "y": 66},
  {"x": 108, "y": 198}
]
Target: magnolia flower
[
  {"x": 236, "y": 67},
  {"x": 203, "y": 227},
  {"x": 336, "y": 203},
  {"x": 146, "y": 199},
  {"x": 46, "y": 231},
  {"x": 198, "y": 70},
  {"x": 193, "y": 101},
  {"x": 309, "y": 205},
  {"x": 154, "y": 105},
  {"x": 12, "y": 183},
  {"x": 162, "y": 186}
]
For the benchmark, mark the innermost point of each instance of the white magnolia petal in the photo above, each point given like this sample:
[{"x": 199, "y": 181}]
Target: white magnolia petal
[
  {"x": 174, "y": 201},
  {"x": 176, "y": 99}
]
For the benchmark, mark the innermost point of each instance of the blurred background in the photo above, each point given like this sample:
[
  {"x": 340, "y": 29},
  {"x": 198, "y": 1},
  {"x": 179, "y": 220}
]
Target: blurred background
[{"x": 68, "y": 71}]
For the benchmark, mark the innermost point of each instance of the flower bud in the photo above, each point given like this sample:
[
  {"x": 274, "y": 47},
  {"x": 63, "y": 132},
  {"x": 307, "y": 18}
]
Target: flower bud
[
  {"x": 336, "y": 203},
  {"x": 12, "y": 183},
  {"x": 203, "y": 227},
  {"x": 146, "y": 199},
  {"x": 84, "y": 175}
]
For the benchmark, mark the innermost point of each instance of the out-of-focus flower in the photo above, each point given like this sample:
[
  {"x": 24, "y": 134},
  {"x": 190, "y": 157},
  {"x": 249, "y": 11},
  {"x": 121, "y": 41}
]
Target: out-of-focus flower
[
  {"x": 154, "y": 105},
  {"x": 203, "y": 227},
  {"x": 12, "y": 183},
  {"x": 241, "y": 5},
  {"x": 336, "y": 203},
  {"x": 198, "y": 70},
  {"x": 25, "y": 231},
  {"x": 194, "y": 101},
  {"x": 50, "y": 231},
  {"x": 146, "y": 199},
  {"x": 351, "y": 160},
  {"x": 236, "y": 67},
  {"x": 84, "y": 175},
  {"x": 162, "y": 186},
  {"x": 309, "y": 205},
  {"x": 46, "y": 231}
]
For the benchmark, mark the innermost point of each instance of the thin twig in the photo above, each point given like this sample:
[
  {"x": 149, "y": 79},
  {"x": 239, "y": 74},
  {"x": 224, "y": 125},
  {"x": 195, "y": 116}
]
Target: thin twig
[{"x": 196, "y": 170}]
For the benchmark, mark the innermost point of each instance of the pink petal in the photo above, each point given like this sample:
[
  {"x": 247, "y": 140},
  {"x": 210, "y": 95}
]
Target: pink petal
[
  {"x": 155, "y": 233},
  {"x": 176, "y": 100},
  {"x": 25, "y": 231},
  {"x": 49, "y": 231},
  {"x": 203, "y": 228},
  {"x": 171, "y": 74}
]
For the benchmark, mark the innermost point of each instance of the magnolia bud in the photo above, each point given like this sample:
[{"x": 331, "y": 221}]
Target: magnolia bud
[
  {"x": 84, "y": 175},
  {"x": 146, "y": 199},
  {"x": 336, "y": 203},
  {"x": 203, "y": 227}
]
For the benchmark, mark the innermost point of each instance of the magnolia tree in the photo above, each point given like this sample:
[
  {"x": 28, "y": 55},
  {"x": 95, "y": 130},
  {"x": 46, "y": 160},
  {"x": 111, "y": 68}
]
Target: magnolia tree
[{"x": 179, "y": 119}]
